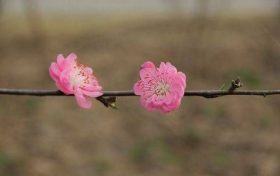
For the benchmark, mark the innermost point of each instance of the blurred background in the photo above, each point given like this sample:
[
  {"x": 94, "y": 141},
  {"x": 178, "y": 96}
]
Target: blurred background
[{"x": 212, "y": 41}]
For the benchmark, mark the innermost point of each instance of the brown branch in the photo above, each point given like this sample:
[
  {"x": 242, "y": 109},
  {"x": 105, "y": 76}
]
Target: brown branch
[
  {"x": 201, "y": 93},
  {"x": 109, "y": 97}
]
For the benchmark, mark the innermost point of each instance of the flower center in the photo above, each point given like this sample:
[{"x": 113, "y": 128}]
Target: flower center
[
  {"x": 78, "y": 75},
  {"x": 162, "y": 88}
]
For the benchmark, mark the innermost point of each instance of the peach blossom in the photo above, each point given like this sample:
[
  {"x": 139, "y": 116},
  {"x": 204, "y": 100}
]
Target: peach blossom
[
  {"x": 71, "y": 77},
  {"x": 160, "y": 89}
]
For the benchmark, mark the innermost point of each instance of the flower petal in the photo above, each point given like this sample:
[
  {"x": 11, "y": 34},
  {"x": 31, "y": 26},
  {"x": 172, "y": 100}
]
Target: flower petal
[
  {"x": 147, "y": 73},
  {"x": 91, "y": 87},
  {"x": 82, "y": 100},
  {"x": 63, "y": 89},
  {"x": 60, "y": 61},
  {"x": 92, "y": 94},
  {"x": 64, "y": 81},
  {"x": 70, "y": 60},
  {"x": 182, "y": 77},
  {"x": 54, "y": 71},
  {"x": 88, "y": 70},
  {"x": 148, "y": 64},
  {"x": 138, "y": 87},
  {"x": 171, "y": 68}
]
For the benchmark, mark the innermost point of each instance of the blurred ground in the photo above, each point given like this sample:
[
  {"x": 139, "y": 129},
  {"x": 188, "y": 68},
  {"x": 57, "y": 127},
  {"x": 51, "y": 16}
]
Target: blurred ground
[{"x": 226, "y": 136}]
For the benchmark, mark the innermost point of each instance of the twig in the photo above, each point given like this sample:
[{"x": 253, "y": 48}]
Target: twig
[{"x": 201, "y": 93}]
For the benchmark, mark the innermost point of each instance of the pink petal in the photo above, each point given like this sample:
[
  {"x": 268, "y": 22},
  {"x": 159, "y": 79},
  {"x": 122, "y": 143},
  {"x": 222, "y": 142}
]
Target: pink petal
[
  {"x": 183, "y": 78},
  {"x": 177, "y": 87},
  {"x": 138, "y": 88},
  {"x": 162, "y": 67},
  {"x": 70, "y": 60},
  {"x": 91, "y": 87},
  {"x": 72, "y": 56},
  {"x": 64, "y": 81},
  {"x": 148, "y": 64},
  {"x": 171, "y": 68},
  {"x": 146, "y": 104},
  {"x": 147, "y": 73},
  {"x": 92, "y": 94},
  {"x": 158, "y": 100},
  {"x": 175, "y": 104},
  {"x": 165, "y": 109},
  {"x": 60, "y": 61},
  {"x": 82, "y": 100},
  {"x": 88, "y": 70},
  {"x": 63, "y": 89},
  {"x": 54, "y": 71},
  {"x": 169, "y": 98}
]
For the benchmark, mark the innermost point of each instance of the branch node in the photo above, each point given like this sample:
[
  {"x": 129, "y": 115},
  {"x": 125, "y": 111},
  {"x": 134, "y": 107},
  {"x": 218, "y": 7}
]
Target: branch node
[
  {"x": 108, "y": 101},
  {"x": 235, "y": 84}
]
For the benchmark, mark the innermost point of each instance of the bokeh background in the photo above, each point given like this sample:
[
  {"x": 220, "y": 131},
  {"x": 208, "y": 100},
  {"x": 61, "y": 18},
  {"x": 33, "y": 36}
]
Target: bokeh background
[{"x": 212, "y": 41}]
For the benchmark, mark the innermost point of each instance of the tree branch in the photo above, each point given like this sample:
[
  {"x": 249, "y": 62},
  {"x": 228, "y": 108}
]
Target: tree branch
[{"x": 200, "y": 93}]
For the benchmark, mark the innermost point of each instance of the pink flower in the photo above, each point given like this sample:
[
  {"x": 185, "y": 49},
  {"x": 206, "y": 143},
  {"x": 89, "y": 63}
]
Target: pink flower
[
  {"x": 71, "y": 77},
  {"x": 160, "y": 88}
]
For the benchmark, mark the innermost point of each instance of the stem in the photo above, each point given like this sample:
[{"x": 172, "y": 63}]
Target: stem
[{"x": 201, "y": 93}]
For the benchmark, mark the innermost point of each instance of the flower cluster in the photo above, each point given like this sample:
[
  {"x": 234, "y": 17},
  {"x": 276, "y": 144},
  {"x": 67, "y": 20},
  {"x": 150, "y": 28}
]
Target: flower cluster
[{"x": 160, "y": 89}]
